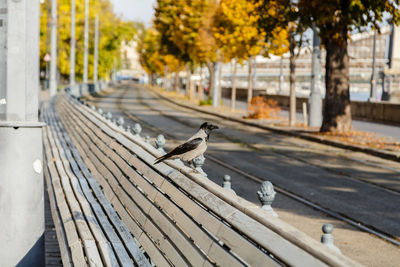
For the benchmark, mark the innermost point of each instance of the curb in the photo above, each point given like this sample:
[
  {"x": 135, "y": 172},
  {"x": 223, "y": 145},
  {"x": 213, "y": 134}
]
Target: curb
[{"x": 370, "y": 151}]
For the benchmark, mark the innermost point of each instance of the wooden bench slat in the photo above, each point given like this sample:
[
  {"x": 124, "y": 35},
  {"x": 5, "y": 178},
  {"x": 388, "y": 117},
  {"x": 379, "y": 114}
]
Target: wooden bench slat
[
  {"x": 145, "y": 206},
  {"x": 134, "y": 250},
  {"x": 61, "y": 236},
  {"x": 153, "y": 191},
  {"x": 74, "y": 244},
  {"x": 114, "y": 144},
  {"x": 126, "y": 218},
  {"x": 105, "y": 249}
]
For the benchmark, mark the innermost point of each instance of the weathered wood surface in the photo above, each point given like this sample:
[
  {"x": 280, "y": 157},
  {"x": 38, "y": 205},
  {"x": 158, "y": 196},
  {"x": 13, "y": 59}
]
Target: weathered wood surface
[
  {"x": 178, "y": 216},
  {"x": 89, "y": 230}
]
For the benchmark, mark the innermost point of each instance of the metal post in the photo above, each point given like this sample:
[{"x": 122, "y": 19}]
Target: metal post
[
  {"x": 53, "y": 62},
  {"x": 217, "y": 69},
  {"x": 254, "y": 74},
  {"x": 21, "y": 175},
  {"x": 372, "y": 96},
  {"x": 3, "y": 55},
  {"x": 73, "y": 44},
  {"x": 96, "y": 51},
  {"x": 86, "y": 44},
  {"x": 315, "y": 100},
  {"x": 280, "y": 76}
]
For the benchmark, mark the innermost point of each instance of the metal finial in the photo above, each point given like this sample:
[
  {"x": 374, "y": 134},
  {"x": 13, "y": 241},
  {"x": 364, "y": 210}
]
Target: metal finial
[
  {"x": 108, "y": 115},
  {"x": 327, "y": 238},
  {"x": 137, "y": 129},
  {"x": 100, "y": 111},
  {"x": 93, "y": 108},
  {"x": 160, "y": 143},
  {"x": 227, "y": 183},
  {"x": 128, "y": 128},
  {"x": 114, "y": 121},
  {"x": 147, "y": 139},
  {"x": 198, "y": 164},
  {"x": 120, "y": 122},
  {"x": 266, "y": 195}
]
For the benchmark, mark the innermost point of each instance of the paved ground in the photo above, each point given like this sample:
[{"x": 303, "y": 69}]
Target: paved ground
[
  {"x": 359, "y": 186},
  {"x": 383, "y": 130}
]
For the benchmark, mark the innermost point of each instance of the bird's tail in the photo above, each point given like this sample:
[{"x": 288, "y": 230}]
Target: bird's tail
[{"x": 160, "y": 159}]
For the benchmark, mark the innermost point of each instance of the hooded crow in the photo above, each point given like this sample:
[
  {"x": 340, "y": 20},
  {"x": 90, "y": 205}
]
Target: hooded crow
[{"x": 193, "y": 147}]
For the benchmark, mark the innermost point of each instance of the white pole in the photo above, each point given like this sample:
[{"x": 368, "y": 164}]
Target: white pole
[
  {"x": 73, "y": 43},
  {"x": 315, "y": 100},
  {"x": 86, "y": 44},
  {"x": 96, "y": 50},
  {"x": 53, "y": 63},
  {"x": 21, "y": 168}
]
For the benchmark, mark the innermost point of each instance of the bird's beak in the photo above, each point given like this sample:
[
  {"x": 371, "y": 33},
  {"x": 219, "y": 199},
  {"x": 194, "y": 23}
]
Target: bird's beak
[{"x": 214, "y": 127}]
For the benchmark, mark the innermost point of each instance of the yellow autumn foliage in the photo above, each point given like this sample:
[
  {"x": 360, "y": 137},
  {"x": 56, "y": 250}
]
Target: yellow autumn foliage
[{"x": 113, "y": 30}]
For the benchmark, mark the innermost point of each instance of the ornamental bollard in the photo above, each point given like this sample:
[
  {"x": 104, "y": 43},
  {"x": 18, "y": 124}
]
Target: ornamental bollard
[
  {"x": 120, "y": 122},
  {"x": 160, "y": 143},
  {"x": 137, "y": 129},
  {"x": 147, "y": 139},
  {"x": 114, "y": 121},
  {"x": 128, "y": 129},
  {"x": 108, "y": 115},
  {"x": 198, "y": 164},
  {"x": 327, "y": 237},
  {"x": 93, "y": 108},
  {"x": 266, "y": 195},
  {"x": 100, "y": 111},
  {"x": 227, "y": 184}
]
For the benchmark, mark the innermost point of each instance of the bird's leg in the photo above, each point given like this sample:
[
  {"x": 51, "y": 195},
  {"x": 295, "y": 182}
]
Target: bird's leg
[{"x": 191, "y": 164}]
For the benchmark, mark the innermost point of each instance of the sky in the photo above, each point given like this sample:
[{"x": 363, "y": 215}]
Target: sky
[{"x": 136, "y": 10}]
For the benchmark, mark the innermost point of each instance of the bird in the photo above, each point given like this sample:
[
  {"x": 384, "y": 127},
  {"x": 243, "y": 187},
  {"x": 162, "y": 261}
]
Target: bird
[{"x": 193, "y": 147}]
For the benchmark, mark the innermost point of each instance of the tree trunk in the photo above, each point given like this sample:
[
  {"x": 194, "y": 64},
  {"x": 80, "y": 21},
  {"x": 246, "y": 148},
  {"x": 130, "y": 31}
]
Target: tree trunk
[
  {"x": 189, "y": 87},
  {"x": 219, "y": 82},
  {"x": 250, "y": 82},
  {"x": 176, "y": 82},
  {"x": 200, "y": 89},
  {"x": 210, "y": 67},
  {"x": 337, "y": 112},
  {"x": 292, "y": 79},
  {"x": 233, "y": 93}
]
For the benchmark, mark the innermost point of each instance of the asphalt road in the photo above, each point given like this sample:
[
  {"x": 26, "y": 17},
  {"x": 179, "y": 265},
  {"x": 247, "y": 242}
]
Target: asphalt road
[{"x": 359, "y": 186}]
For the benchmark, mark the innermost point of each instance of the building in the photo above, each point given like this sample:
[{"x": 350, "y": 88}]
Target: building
[
  {"x": 130, "y": 68},
  {"x": 360, "y": 50}
]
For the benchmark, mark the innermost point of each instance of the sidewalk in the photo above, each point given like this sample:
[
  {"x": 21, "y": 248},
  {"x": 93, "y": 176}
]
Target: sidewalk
[
  {"x": 384, "y": 130},
  {"x": 365, "y": 142}
]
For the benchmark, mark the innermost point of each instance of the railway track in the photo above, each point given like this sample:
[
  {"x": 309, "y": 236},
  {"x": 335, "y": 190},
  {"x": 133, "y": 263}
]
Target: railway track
[{"x": 337, "y": 215}]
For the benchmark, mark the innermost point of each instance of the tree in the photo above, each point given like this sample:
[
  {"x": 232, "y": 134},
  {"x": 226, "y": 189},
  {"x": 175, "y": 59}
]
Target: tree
[
  {"x": 112, "y": 32},
  {"x": 237, "y": 36},
  {"x": 280, "y": 20},
  {"x": 184, "y": 29},
  {"x": 149, "y": 53},
  {"x": 335, "y": 19}
]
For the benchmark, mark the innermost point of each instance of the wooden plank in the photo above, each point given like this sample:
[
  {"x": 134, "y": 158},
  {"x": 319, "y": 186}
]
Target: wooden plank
[
  {"x": 207, "y": 246},
  {"x": 153, "y": 192},
  {"x": 145, "y": 206},
  {"x": 82, "y": 227},
  {"x": 133, "y": 248},
  {"x": 105, "y": 248},
  {"x": 74, "y": 244},
  {"x": 61, "y": 237},
  {"x": 124, "y": 215}
]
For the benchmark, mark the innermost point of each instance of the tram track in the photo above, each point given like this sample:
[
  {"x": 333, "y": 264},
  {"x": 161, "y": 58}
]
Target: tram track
[{"x": 337, "y": 215}]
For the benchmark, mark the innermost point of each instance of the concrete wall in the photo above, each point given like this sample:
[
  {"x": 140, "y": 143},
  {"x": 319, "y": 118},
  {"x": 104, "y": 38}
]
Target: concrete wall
[{"x": 376, "y": 112}]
